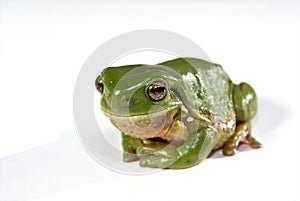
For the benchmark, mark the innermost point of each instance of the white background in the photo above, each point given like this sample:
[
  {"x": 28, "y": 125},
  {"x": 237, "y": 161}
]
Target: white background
[{"x": 43, "y": 45}]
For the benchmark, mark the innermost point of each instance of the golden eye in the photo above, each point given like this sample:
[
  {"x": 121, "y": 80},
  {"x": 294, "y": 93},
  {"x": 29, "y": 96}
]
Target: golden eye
[
  {"x": 99, "y": 84},
  {"x": 157, "y": 91}
]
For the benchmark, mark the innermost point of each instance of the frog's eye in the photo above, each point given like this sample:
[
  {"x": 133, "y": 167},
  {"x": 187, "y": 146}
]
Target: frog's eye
[
  {"x": 157, "y": 91},
  {"x": 99, "y": 84}
]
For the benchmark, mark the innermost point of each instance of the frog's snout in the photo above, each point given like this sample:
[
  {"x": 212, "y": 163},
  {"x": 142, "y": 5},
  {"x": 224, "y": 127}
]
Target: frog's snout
[{"x": 99, "y": 84}]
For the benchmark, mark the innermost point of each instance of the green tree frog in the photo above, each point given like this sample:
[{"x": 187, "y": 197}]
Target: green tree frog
[{"x": 174, "y": 114}]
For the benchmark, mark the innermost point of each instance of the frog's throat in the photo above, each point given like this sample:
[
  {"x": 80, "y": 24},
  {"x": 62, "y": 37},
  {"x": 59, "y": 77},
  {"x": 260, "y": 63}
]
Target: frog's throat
[{"x": 150, "y": 125}]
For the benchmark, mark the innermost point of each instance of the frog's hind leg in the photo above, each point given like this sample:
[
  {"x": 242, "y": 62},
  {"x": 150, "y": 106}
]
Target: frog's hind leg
[
  {"x": 245, "y": 105},
  {"x": 241, "y": 135}
]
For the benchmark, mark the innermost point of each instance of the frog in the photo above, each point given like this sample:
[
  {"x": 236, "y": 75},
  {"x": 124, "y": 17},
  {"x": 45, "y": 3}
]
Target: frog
[{"x": 177, "y": 113}]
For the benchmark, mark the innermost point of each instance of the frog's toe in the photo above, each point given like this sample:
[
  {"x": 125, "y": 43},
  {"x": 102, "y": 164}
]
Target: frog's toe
[
  {"x": 156, "y": 161},
  {"x": 129, "y": 157},
  {"x": 229, "y": 151},
  {"x": 148, "y": 161},
  {"x": 144, "y": 150},
  {"x": 253, "y": 142},
  {"x": 255, "y": 145}
]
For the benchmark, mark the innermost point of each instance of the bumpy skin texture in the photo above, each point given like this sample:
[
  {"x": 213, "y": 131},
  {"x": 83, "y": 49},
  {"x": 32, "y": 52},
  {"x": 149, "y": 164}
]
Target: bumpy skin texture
[{"x": 201, "y": 110}]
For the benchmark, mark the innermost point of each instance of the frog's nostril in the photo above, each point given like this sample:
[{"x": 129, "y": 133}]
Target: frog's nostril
[
  {"x": 99, "y": 84},
  {"x": 126, "y": 100}
]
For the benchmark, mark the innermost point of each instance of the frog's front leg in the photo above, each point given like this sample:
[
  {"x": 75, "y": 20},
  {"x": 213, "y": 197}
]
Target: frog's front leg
[
  {"x": 196, "y": 148},
  {"x": 242, "y": 134},
  {"x": 130, "y": 145}
]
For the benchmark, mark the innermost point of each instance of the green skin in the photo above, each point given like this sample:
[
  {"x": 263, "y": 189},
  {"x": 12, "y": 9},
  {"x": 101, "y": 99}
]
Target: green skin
[{"x": 202, "y": 111}]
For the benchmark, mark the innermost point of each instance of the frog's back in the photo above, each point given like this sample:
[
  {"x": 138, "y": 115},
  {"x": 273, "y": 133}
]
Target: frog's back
[
  {"x": 208, "y": 90},
  {"x": 188, "y": 65}
]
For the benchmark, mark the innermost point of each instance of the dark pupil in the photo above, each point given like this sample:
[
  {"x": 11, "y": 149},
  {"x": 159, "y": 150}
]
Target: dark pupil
[{"x": 158, "y": 90}]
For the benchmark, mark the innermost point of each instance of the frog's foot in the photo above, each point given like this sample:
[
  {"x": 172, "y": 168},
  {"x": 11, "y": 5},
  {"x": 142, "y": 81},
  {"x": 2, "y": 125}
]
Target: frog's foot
[
  {"x": 241, "y": 136},
  {"x": 130, "y": 157},
  {"x": 134, "y": 147},
  {"x": 154, "y": 158}
]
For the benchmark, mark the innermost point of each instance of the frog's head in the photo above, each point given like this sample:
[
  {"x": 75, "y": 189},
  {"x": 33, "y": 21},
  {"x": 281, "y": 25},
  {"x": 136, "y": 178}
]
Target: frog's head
[{"x": 138, "y": 99}]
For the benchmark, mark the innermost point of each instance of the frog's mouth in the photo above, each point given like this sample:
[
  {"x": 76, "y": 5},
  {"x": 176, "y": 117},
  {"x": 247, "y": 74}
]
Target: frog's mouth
[{"x": 151, "y": 125}]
